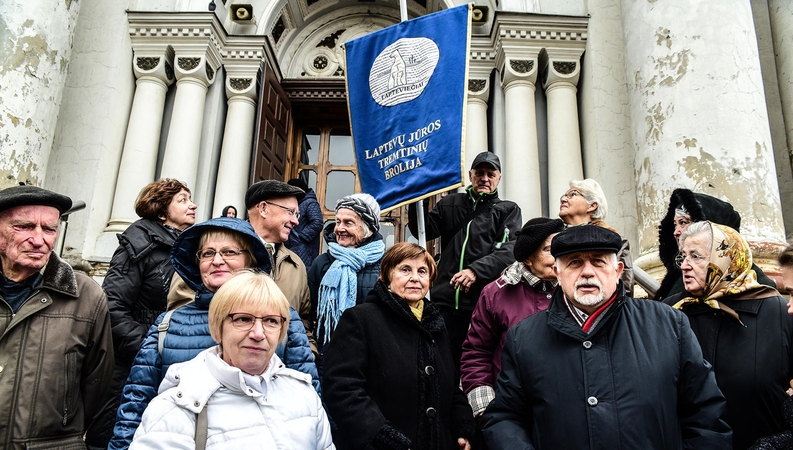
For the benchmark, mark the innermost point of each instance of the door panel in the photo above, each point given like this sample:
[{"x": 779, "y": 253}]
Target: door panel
[{"x": 273, "y": 123}]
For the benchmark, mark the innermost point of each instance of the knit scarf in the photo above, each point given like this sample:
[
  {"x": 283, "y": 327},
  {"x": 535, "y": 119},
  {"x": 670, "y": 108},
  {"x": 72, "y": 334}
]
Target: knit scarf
[{"x": 338, "y": 288}]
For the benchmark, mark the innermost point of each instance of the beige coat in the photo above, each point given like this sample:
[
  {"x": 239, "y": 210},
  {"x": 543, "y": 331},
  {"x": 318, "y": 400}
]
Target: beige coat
[
  {"x": 56, "y": 361},
  {"x": 290, "y": 276}
]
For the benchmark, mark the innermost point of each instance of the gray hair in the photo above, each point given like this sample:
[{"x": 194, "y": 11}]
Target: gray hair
[
  {"x": 592, "y": 193},
  {"x": 701, "y": 227}
]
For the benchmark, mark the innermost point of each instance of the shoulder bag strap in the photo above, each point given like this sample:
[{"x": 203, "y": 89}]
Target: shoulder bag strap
[
  {"x": 201, "y": 429},
  {"x": 162, "y": 330}
]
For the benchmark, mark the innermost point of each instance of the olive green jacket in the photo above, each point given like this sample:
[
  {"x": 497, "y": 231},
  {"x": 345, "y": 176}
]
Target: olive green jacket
[{"x": 56, "y": 361}]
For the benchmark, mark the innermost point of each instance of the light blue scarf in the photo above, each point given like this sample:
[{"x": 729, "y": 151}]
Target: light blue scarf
[{"x": 338, "y": 288}]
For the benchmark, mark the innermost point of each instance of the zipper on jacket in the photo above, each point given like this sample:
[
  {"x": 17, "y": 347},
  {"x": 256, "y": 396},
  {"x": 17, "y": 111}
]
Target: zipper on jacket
[
  {"x": 65, "y": 415},
  {"x": 462, "y": 253}
]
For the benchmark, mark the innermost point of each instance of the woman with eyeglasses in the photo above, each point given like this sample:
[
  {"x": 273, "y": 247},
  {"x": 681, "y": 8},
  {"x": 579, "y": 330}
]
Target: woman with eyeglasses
[
  {"x": 205, "y": 256},
  {"x": 685, "y": 208},
  {"x": 743, "y": 327},
  {"x": 584, "y": 203},
  {"x": 390, "y": 380},
  {"x": 238, "y": 394}
]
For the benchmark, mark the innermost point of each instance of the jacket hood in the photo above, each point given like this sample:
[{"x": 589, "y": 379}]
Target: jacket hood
[
  {"x": 183, "y": 252},
  {"x": 700, "y": 207},
  {"x": 309, "y": 194}
]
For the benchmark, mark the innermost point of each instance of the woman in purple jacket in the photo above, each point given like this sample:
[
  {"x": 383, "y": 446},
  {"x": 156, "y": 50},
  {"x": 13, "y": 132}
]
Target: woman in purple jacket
[{"x": 524, "y": 288}]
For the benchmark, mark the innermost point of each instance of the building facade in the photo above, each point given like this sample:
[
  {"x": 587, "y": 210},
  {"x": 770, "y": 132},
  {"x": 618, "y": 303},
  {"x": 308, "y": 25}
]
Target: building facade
[{"x": 99, "y": 98}]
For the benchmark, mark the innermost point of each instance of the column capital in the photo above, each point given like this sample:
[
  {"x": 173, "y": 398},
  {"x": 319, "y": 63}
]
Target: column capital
[
  {"x": 519, "y": 69},
  {"x": 157, "y": 64},
  {"x": 242, "y": 57},
  {"x": 560, "y": 65}
]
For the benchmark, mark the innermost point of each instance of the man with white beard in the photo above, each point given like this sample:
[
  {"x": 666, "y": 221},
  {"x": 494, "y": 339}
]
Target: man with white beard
[{"x": 601, "y": 370}]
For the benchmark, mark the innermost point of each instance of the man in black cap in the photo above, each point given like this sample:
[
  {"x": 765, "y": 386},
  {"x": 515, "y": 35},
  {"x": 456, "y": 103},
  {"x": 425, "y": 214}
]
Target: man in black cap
[
  {"x": 56, "y": 349},
  {"x": 474, "y": 228},
  {"x": 273, "y": 211},
  {"x": 602, "y": 370}
]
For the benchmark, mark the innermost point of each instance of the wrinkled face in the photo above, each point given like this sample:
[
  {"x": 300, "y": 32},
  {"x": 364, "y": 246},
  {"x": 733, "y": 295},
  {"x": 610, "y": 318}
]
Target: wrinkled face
[
  {"x": 541, "y": 262},
  {"x": 181, "y": 211},
  {"x": 27, "y": 236},
  {"x": 588, "y": 278},
  {"x": 250, "y": 350},
  {"x": 349, "y": 228},
  {"x": 278, "y": 219},
  {"x": 410, "y": 279},
  {"x": 574, "y": 209},
  {"x": 787, "y": 286},
  {"x": 484, "y": 178},
  {"x": 231, "y": 212},
  {"x": 681, "y": 223},
  {"x": 695, "y": 264},
  {"x": 217, "y": 270}
]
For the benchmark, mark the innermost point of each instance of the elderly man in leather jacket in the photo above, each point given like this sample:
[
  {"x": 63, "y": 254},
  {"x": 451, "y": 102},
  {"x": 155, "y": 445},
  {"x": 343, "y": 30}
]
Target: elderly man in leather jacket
[{"x": 56, "y": 349}]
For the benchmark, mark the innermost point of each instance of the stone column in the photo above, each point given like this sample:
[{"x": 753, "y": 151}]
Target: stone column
[
  {"x": 235, "y": 155},
  {"x": 154, "y": 73},
  {"x": 476, "y": 122},
  {"x": 561, "y": 73},
  {"x": 697, "y": 117},
  {"x": 781, "y": 14},
  {"x": 521, "y": 167},
  {"x": 194, "y": 74},
  {"x": 36, "y": 48}
]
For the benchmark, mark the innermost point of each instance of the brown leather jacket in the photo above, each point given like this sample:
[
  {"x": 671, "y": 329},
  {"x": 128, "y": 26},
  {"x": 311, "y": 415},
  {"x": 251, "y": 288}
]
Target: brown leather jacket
[{"x": 56, "y": 361}]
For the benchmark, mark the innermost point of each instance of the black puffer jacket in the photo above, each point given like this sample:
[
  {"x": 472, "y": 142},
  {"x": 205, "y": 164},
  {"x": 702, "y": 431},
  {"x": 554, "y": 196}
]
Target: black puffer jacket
[
  {"x": 390, "y": 382},
  {"x": 700, "y": 207},
  {"x": 483, "y": 244},
  {"x": 636, "y": 381},
  {"x": 136, "y": 285}
]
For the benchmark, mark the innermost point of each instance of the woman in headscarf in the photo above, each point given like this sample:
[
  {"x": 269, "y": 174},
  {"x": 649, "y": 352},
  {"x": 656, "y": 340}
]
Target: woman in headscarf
[
  {"x": 685, "y": 208},
  {"x": 341, "y": 277},
  {"x": 205, "y": 256},
  {"x": 390, "y": 380},
  {"x": 742, "y": 326}
]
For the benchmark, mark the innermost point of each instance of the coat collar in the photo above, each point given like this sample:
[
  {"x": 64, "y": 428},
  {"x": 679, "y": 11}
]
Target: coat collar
[
  {"x": 431, "y": 320},
  {"x": 559, "y": 317},
  {"x": 58, "y": 276}
]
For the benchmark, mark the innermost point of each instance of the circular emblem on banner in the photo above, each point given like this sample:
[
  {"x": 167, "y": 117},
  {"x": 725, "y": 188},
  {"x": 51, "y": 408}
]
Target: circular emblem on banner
[{"x": 402, "y": 70}]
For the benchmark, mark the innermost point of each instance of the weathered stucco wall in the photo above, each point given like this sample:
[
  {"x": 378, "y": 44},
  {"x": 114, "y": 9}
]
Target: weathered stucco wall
[
  {"x": 605, "y": 127},
  {"x": 698, "y": 112},
  {"x": 35, "y": 48},
  {"x": 90, "y": 133}
]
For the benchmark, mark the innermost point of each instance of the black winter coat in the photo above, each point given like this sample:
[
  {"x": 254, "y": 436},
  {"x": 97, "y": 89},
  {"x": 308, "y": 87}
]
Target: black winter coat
[
  {"x": 136, "y": 285},
  {"x": 484, "y": 244},
  {"x": 304, "y": 239},
  {"x": 636, "y": 381},
  {"x": 753, "y": 363},
  {"x": 700, "y": 207},
  {"x": 390, "y": 382}
]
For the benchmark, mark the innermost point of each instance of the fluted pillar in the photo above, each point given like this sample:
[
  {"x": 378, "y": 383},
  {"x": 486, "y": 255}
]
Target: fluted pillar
[
  {"x": 521, "y": 167},
  {"x": 476, "y": 122},
  {"x": 194, "y": 74},
  {"x": 781, "y": 14},
  {"x": 154, "y": 73},
  {"x": 564, "y": 141},
  {"x": 235, "y": 155},
  {"x": 682, "y": 75}
]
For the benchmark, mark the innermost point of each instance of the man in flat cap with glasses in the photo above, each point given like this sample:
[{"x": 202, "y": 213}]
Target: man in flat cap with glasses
[
  {"x": 601, "y": 370},
  {"x": 56, "y": 348}
]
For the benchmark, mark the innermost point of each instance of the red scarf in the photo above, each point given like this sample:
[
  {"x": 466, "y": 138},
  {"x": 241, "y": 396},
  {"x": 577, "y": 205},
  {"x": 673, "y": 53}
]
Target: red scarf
[{"x": 592, "y": 318}]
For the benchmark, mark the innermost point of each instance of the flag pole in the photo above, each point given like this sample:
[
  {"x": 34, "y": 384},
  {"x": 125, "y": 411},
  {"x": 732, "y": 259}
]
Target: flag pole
[{"x": 403, "y": 16}]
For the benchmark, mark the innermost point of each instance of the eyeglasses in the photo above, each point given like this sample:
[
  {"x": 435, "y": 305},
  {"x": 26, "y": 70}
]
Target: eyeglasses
[
  {"x": 692, "y": 258},
  {"x": 245, "y": 322},
  {"x": 225, "y": 253},
  {"x": 292, "y": 212},
  {"x": 569, "y": 194}
]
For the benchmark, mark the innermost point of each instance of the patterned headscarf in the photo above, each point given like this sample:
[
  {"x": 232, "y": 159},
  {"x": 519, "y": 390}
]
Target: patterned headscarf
[{"x": 729, "y": 272}]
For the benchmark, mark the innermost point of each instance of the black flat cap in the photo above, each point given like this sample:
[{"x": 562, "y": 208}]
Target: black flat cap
[
  {"x": 26, "y": 195},
  {"x": 585, "y": 238},
  {"x": 487, "y": 158},
  {"x": 533, "y": 234},
  {"x": 267, "y": 189}
]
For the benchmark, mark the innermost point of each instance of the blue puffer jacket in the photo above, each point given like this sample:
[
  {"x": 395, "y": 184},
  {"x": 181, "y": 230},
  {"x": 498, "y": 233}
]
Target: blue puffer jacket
[{"x": 188, "y": 332}]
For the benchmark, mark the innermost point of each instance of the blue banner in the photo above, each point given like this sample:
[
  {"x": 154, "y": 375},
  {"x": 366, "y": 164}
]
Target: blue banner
[{"x": 406, "y": 94}]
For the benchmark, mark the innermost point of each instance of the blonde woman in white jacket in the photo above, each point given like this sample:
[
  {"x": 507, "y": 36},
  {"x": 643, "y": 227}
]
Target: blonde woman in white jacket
[{"x": 247, "y": 397}]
